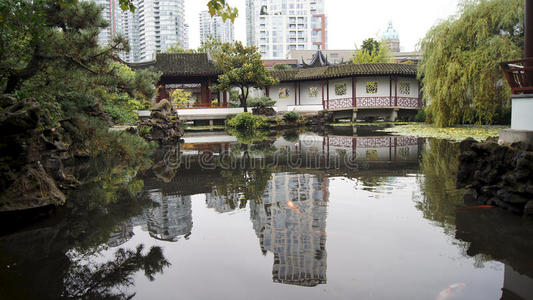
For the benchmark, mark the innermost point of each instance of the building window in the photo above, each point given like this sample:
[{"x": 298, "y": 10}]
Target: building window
[
  {"x": 340, "y": 89},
  {"x": 371, "y": 87},
  {"x": 405, "y": 88},
  {"x": 313, "y": 91},
  {"x": 283, "y": 93}
]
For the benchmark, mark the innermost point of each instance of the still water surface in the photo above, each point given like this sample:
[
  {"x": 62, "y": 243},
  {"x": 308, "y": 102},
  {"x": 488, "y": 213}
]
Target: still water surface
[{"x": 299, "y": 216}]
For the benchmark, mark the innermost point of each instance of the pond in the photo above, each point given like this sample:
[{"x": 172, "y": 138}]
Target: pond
[{"x": 343, "y": 214}]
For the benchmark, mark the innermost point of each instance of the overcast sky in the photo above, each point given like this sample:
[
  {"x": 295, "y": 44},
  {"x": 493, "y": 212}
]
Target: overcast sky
[{"x": 352, "y": 21}]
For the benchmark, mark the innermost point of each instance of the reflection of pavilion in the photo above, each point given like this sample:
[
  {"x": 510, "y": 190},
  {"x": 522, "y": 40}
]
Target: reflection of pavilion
[
  {"x": 171, "y": 219},
  {"x": 291, "y": 223},
  {"x": 121, "y": 234}
]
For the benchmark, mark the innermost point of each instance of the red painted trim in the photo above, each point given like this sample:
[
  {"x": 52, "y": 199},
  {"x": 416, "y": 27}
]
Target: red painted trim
[
  {"x": 323, "y": 103},
  {"x": 395, "y": 91},
  {"x": 225, "y": 96},
  {"x": 295, "y": 95},
  {"x": 327, "y": 92},
  {"x": 390, "y": 90},
  {"x": 267, "y": 91},
  {"x": 299, "y": 94},
  {"x": 354, "y": 91},
  {"x": 354, "y": 149},
  {"x": 209, "y": 95}
]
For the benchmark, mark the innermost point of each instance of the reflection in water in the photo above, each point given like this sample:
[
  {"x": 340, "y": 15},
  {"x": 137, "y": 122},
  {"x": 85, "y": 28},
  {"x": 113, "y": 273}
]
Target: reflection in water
[
  {"x": 291, "y": 223},
  {"x": 105, "y": 280},
  {"x": 289, "y": 200},
  {"x": 503, "y": 237},
  {"x": 171, "y": 219},
  {"x": 440, "y": 197}
]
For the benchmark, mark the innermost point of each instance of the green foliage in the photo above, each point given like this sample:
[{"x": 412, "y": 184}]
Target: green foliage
[
  {"x": 291, "y": 116},
  {"x": 440, "y": 197},
  {"x": 223, "y": 9},
  {"x": 261, "y": 102},
  {"x": 420, "y": 116},
  {"x": 178, "y": 49},
  {"x": 248, "y": 137},
  {"x": 181, "y": 97},
  {"x": 291, "y": 136},
  {"x": 378, "y": 53},
  {"x": 216, "y": 8},
  {"x": 281, "y": 67},
  {"x": 211, "y": 46},
  {"x": 457, "y": 133},
  {"x": 50, "y": 52},
  {"x": 461, "y": 78},
  {"x": 242, "y": 67},
  {"x": 122, "y": 108},
  {"x": 248, "y": 122},
  {"x": 371, "y": 45}
]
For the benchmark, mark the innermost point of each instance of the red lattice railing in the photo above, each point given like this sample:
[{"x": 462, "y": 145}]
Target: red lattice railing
[
  {"x": 408, "y": 102},
  {"x": 519, "y": 74},
  {"x": 374, "y": 102},
  {"x": 340, "y": 103}
]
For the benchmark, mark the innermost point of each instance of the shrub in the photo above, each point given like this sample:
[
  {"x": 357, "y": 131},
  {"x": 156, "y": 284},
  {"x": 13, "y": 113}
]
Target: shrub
[
  {"x": 281, "y": 67},
  {"x": 248, "y": 122},
  {"x": 261, "y": 102},
  {"x": 291, "y": 116},
  {"x": 420, "y": 116}
]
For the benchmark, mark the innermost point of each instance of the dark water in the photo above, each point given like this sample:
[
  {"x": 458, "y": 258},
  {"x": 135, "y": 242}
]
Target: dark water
[{"x": 301, "y": 216}]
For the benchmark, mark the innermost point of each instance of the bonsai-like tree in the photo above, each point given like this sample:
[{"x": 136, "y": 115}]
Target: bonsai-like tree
[{"x": 241, "y": 67}]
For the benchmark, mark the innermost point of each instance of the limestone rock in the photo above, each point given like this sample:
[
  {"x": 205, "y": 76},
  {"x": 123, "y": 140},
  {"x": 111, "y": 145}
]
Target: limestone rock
[{"x": 33, "y": 188}]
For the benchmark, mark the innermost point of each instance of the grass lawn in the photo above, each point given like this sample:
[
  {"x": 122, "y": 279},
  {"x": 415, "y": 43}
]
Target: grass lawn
[{"x": 457, "y": 133}]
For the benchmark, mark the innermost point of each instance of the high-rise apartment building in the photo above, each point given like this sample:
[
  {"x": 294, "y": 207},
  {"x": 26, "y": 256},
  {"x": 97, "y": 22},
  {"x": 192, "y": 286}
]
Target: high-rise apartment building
[
  {"x": 155, "y": 26},
  {"x": 215, "y": 27},
  {"x": 112, "y": 14},
  {"x": 279, "y": 26},
  {"x": 160, "y": 25}
]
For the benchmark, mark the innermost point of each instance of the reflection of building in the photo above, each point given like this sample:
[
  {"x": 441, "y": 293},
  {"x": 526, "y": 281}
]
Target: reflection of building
[
  {"x": 278, "y": 26},
  {"x": 121, "y": 234},
  {"x": 172, "y": 218},
  {"x": 219, "y": 202},
  {"x": 291, "y": 223}
]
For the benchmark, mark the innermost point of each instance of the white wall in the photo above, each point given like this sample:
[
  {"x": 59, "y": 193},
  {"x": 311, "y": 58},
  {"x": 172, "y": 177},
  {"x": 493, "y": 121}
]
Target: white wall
[
  {"x": 383, "y": 86},
  {"x": 413, "y": 82},
  {"x": 306, "y": 99},
  {"x": 281, "y": 103},
  {"x": 521, "y": 109},
  {"x": 348, "y": 94}
]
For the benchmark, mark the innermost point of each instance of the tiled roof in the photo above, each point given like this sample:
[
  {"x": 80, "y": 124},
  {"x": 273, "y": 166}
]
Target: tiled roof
[
  {"x": 346, "y": 70},
  {"x": 180, "y": 64}
]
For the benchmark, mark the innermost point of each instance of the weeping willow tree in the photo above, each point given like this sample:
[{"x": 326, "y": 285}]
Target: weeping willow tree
[{"x": 460, "y": 73}]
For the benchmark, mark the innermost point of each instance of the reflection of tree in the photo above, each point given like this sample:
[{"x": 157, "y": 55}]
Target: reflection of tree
[
  {"x": 241, "y": 185},
  {"x": 440, "y": 197},
  {"x": 103, "y": 281}
]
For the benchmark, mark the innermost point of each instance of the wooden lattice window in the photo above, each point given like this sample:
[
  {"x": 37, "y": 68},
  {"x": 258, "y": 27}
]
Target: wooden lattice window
[
  {"x": 313, "y": 91},
  {"x": 371, "y": 87},
  {"x": 405, "y": 88},
  {"x": 340, "y": 89}
]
